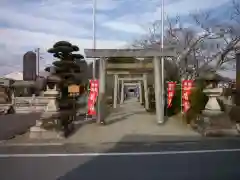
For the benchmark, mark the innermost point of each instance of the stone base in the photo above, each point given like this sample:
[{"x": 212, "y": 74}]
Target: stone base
[
  {"x": 37, "y": 132},
  {"x": 220, "y": 132},
  {"x": 6, "y": 109},
  {"x": 213, "y": 113},
  {"x": 214, "y": 124}
]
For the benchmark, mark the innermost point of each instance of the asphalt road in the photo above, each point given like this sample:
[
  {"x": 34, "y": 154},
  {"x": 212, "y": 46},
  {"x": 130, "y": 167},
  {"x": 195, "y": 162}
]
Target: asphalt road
[
  {"x": 14, "y": 124},
  {"x": 212, "y": 160}
]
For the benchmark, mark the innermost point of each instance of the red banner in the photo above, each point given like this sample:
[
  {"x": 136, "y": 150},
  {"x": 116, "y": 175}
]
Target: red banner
[
  {"x": 171, "y": 92},
  {"x": 186, "y": 90},
  {"x": 93, "y": 97}
]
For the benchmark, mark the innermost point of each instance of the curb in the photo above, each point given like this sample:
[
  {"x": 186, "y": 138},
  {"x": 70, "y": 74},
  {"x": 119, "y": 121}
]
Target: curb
[{"x": 4, "y": 144}]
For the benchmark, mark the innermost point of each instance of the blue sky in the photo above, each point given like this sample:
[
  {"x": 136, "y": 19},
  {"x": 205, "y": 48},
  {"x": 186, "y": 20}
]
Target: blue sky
[{"x": 28, "y": 24}]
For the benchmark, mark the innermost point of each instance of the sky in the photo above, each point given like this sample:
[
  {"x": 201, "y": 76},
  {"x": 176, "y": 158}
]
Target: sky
[{"x": 29, "y": 24}]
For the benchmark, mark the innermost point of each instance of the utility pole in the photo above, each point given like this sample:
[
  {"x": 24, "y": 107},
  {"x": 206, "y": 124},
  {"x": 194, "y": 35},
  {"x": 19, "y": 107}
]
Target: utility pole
[
  {"x": 162, "y": 62},
  {"x": 94, "y": 37}
]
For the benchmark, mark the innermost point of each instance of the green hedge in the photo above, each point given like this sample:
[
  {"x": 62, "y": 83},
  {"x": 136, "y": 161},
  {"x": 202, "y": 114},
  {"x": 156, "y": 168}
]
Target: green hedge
[{"x": 197, "y": 98}]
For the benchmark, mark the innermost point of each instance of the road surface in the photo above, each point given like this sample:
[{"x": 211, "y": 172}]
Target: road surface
[
  {"x": 13, "y": 124},
  {"x": 218, "y": 160}
]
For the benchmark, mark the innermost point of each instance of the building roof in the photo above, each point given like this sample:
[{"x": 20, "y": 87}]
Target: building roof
[
  {"x": 14, "y": 76},
  {"x": 19, "y": 75},
  {"x": 23, "y": 83}
]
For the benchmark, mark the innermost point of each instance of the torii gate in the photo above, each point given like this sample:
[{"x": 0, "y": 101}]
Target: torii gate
[
  {"x": 136, "y": 84},
  {"x": 139, "y": 84},
  {"x": 102, "y": 54}
]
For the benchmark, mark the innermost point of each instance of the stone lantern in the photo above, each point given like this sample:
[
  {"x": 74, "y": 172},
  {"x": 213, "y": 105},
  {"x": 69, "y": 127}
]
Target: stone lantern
[
  {"x": 51, "y": 111},
  {"x": 213, "y": 120},
  {"x": 213, "y": 92}
]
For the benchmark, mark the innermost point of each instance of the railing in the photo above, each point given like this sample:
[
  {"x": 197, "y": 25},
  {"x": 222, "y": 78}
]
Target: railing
[{"x": 30, "y": 104}]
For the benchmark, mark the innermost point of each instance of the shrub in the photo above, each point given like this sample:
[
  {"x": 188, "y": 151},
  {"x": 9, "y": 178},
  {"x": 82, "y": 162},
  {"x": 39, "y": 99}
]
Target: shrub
[
  {"x": 198, "y": 100},
  {"x": 176, "y": 102}
]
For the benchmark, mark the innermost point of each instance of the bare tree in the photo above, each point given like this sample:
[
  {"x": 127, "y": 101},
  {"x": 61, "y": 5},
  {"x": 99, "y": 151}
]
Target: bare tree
[
  {"x": 228, "y": 38},
  {"x": 152, "y": 37},
  {"x": 208, "y": 50},
  {"x": 184, "y": 39}
]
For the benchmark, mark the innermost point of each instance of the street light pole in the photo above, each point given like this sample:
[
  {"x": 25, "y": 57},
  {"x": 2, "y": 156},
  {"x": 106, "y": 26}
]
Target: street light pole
[
  {"x": 162, "y": 61},
  {"x": 94, "y": 37}
]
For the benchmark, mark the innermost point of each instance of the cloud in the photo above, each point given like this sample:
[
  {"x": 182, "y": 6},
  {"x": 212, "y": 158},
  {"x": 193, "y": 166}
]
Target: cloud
[
  {"x": 125, "y": 27},
  {"x": 102, "y": 5},
  {"x": 185, "y": 7},
  {"x": 147, "y": 13},
  {"x": 26, "y": 25},
  {"x": 16, "y": 42},
  {"x": 34, "y": 23},
  {"x": 60, "y": 18}
]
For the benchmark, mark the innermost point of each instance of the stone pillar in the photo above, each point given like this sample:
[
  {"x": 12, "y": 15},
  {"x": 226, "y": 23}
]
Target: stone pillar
[
  {"x": 140, "y": 93},
  {"x": 158, "y": 90},
  {"x": 122, "y": 92},
  {"x": 119, "y": 92},
  {"x": 12, "y": 98},
  {"x": 145, "y": 84},
  {"x": 101, "y": 107},
  {"x": 115, "y": 94},
  {"x": 237, "y": 100}
]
